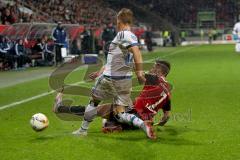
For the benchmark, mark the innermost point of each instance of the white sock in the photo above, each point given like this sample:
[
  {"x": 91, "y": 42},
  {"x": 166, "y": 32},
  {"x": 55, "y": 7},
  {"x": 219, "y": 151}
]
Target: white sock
[
  {"x": 89, "y": 115},
  {"x": 131, "y": 119},
  {"x": 90, "y": 112},
  {"x": 85, "y": 125}
]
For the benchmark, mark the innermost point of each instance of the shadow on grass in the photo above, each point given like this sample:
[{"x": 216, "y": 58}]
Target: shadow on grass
[
  {"x": 48, "y": 137},
  {"x": 44, "y": 138},
  {"x": 176, "y": 130},
  {"x": 166, "y": 135},
  {"x": 177, "y": 141}
]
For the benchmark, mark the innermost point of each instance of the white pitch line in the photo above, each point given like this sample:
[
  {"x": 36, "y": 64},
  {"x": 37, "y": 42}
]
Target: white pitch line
[
  {"x": 173, "y": 53},
  {"x": 48, "y": 93},
  {"x": 32, "y": 98},
  {"x": 26, "y": 100}
]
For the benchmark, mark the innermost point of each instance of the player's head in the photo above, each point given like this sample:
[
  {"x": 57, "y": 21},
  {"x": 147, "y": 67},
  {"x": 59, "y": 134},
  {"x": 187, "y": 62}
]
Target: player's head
[
  {"x": 124, "y": 18},
  {"x": 109, "y": 23},
  {"x": 161, "y": 67},
  {"x": 59, "y": 24},
  {"x": 20, "y": 41}
]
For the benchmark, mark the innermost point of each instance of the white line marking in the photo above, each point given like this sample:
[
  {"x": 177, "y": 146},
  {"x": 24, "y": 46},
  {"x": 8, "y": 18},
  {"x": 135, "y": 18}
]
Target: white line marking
[
  {"x": 32, "y": 98},
  {"x": 26, "y": 100},
  {"x": 77, "y": 83},
  {"x": 173, "y": 53}
]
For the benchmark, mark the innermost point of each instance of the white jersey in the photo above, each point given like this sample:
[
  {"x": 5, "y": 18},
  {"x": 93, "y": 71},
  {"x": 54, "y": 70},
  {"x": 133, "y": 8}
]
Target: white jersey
[
  {"x": 119, "y": 59},
  {"x": 236, "y": 29}
]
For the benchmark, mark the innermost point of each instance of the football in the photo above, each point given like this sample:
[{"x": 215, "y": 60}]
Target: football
[{"x": 39, "y": 122}]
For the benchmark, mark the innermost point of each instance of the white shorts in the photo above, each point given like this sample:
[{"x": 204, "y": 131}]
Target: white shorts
[
  {"x": 237, "y": 47},
  {"x": 119, "y": 90}
]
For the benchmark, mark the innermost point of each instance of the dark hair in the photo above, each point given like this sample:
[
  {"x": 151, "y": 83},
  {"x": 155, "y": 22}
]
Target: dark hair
[{"x": 164, "y": 65}]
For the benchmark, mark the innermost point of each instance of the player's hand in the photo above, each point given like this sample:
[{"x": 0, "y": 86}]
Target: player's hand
[
  {"x": 93, "y": 75},
  {"x": 141, "y": 78},
  {"x": 162, "y": 122}
]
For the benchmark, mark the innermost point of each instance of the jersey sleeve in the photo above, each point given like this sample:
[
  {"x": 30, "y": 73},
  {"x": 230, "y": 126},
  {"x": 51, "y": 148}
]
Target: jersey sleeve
[
  {"x": 127, "y": 39},
  {"x": 167, "y": 105},
  {"x": 236, "y": 28}
]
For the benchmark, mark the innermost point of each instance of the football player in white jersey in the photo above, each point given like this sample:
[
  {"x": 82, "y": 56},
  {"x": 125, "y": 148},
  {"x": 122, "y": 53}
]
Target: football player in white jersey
[
  {"x": 236, "y": 31},
  {"x": 114, "y": 79}
]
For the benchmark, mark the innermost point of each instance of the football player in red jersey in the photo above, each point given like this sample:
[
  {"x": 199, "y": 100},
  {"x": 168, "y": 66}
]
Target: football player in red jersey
[{"x": 155, "y": 95}]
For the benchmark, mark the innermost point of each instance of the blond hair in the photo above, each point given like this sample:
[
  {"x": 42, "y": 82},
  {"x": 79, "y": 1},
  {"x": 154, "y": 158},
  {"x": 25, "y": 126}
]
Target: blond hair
[{"x": 125, "y": 16}]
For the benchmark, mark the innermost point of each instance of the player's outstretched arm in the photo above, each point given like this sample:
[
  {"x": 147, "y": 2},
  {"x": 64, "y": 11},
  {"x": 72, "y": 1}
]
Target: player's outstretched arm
[
  {"x": 164, "y": 119},
  {"x": 138, "y": 63}
]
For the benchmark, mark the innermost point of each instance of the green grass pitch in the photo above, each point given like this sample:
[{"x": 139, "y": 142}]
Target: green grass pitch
[{"x": 204, "y": 125}]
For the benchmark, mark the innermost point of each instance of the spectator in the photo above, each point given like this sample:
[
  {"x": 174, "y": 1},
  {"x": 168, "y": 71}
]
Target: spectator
[
  {"x": 202, "y": 34},
  {"x": 173, "y": 38},
  {"x": 183, "y": 36},
  {"x": 165, "y": 38},
  {"x": 5, "y": 47},
  {"x": 39, "y": 48},
  {"x": 48, "y": 53},
  {"x": 5, "y": 56},
  {"x": 76, "y": 47},
  {"x": 148, "y": 39},
  {"x": 7, "y": 17},
  {"x": 215, "y": 34},
  {"x": 86, "y": 41},
  {"x": 59, "y": 36},
  {"x": 210, "y": 36},
  {"x": 20, "y": 51},
  {"x": 107, "y": 36}
]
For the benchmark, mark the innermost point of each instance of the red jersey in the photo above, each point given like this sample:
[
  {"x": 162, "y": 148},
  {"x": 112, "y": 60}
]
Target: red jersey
[{"x": 152, "y": 98}]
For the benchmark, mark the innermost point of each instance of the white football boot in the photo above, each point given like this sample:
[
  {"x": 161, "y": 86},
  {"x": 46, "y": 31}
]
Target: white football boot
[{"x": 80, "y": 132}]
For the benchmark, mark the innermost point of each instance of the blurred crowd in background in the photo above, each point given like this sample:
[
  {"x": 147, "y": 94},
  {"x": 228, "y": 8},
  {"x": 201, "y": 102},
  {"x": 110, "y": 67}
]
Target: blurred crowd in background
[
  {"x": 82, "y": 12},
  {"x": 185, "y": 11},
  {"x": 11, "y": 13}
]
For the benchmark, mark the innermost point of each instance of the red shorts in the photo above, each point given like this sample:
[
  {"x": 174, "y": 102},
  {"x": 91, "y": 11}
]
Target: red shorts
[
  {"x": 145, "y": 112},
  {"x": 142, "y": 111}
]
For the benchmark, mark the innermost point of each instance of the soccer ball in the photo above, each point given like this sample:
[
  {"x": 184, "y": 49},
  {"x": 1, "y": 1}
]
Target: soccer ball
[{"x": 39, "y": 122}]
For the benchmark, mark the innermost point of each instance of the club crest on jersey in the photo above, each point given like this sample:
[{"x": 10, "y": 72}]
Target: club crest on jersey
[{"x": 134, "y": 37}]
